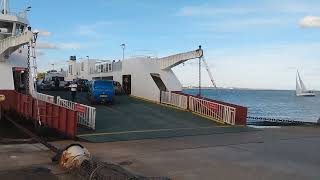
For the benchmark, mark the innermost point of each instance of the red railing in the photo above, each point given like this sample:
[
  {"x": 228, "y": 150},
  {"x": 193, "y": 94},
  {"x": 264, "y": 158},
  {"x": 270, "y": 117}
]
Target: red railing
[
  {"x": 240, "y": 111},
  {"x": 53, "y": 116}
]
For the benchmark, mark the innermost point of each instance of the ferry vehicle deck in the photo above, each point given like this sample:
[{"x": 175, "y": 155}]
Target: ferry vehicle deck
[{"x": 131, "y": 118}]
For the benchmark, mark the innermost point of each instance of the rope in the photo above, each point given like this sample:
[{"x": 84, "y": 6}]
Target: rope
[{"x": 33, "y": 136}]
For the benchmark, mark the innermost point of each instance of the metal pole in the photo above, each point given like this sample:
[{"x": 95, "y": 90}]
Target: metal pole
[
  {"x": 199, "y": 77},
  {"x": 123, "y": 47},
  {"x": 5, "y": 7},
  {"x": 199, "y": 73}
]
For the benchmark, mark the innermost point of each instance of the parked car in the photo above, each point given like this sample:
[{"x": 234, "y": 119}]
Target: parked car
[
  {"x": 46, "y": 86},
  {"x": 82, "y": 84},
  {"x": 101, "y": 91}
]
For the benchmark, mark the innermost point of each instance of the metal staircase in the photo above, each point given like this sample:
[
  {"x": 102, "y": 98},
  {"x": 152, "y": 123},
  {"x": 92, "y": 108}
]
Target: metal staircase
[{"x": 11, "y": 44}]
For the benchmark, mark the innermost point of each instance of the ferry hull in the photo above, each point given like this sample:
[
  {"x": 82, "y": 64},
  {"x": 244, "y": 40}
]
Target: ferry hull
[
  {"x": 16, "y": 60},
  {"x": 306, "y": 95}
]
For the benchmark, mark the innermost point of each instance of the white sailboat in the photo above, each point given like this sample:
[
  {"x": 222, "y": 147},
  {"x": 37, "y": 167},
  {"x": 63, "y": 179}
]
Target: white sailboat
[{"x": 301, "y": 89}]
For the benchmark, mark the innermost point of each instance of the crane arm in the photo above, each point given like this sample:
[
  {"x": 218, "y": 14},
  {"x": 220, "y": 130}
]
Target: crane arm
[
  {"x": 209, "y": 72},
  {"x": 174, "y": 60}
]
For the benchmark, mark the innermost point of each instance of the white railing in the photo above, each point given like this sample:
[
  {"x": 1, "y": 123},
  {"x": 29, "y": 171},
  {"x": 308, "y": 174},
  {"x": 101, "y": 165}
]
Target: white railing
[
  {"x": 86, "y": 115},
  {"x": 15, "y": 41},
  {"x": 177, "y": 100},
  {"x": 43, "y": 97},
  {"x": 216, "y": 111},
  {"x": 65, "y": 103}
]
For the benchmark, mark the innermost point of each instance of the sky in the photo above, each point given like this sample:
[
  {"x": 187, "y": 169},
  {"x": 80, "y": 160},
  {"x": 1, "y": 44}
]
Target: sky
[{"x": 247, "y": 43}]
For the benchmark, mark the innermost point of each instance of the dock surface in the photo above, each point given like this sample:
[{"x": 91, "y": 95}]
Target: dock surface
[
  {"x": 288, "y": 153},
  {"x": 132, "y": 119}
]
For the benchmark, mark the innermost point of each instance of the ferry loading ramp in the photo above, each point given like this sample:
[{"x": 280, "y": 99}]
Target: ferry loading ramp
[{"x": 132, "y": 119}]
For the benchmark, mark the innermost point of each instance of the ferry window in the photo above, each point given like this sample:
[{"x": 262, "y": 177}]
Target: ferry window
[
  {"x": 110, "y": 67},
  {"x": 104, "y": 68},
  {"x": 17, "y": 29},
  {"x": 6, "y": 27},
  {"x": 70, "y": 69},
  {"x": 21, "y": 29},
  {"x": 82, "y": 66}
]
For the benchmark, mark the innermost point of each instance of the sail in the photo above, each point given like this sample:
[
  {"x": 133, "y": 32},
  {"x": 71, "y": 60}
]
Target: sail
[
  {"x": 302, "y": 86},
  {"x": 298, "y": 88}
]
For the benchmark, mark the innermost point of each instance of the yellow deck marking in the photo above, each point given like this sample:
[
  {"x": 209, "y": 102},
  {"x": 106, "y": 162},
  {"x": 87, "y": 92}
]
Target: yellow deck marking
[
  {"x": 155, "y": 102},
  {"x": 210, "y": 118},
  {"x": 150, "y": 130}
]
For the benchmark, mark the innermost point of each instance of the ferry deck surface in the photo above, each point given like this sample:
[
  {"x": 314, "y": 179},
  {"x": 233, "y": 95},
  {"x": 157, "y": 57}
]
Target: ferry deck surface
[{"x": 133, "y": 119}]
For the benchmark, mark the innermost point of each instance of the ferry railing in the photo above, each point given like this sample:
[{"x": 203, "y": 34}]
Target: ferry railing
[
  {"x": 173, "y": 99},
  {"x": 86, "y": 115},
  {"x": 43, "y": 97},
  {"x": 216, "y": 111},
  {"x": 49, "y": 114},
  {"x": 201, "y": 106}
]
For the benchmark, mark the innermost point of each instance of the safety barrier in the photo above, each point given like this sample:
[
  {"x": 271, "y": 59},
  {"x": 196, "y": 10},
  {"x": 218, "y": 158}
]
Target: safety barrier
[
  {"x": 86, "y": 115},
  {"x": 173, "y": 99},
  {"x": 43, "y": 97},
  {"x": 51, "y": 115},
  {"x": 218, "y": 112}
]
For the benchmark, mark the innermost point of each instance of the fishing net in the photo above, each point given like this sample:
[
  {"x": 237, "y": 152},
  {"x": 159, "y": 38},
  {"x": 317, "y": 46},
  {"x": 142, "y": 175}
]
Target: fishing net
[{"x": 93, "y": 169}]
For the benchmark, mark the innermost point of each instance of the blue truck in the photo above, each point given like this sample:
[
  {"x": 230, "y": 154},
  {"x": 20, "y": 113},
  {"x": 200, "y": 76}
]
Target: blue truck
[{"x": 101, "y": 91}]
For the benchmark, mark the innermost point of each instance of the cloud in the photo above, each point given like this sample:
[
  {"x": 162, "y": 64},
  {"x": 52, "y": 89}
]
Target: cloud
[
  {"x": 205, "y": 11},
  {"x": 64, "y": 45},
  {"x": 310, "y": 22},
  {"x": 46, "y": 45},
  {"x": 259, "y": 7},
  {"x": 96, "y": 29},
  {"x": 244, "y": 24},
  {"x": 71, "y": 45},
  {"x": 40, "y": 52},
  {"x": 43, "y": 33}
]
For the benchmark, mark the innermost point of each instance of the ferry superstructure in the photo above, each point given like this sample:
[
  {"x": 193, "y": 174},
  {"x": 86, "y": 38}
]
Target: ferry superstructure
[
  {"x": 15, "y": 37},
  {"x": 143, "y": 77}
]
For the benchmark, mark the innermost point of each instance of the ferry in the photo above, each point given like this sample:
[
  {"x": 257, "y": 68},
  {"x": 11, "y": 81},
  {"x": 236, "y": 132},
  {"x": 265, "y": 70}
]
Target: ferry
[
  {"x": 153, "y": 101},
  {"x": 192, "y": 137}
]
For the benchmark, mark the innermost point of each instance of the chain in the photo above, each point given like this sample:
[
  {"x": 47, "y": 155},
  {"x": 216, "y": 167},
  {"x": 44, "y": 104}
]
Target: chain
[
  {"x": 28, "y": 71},
  {"x": 275, "y": 120}
]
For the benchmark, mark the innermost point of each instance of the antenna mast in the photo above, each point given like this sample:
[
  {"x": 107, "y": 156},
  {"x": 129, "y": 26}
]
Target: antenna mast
[{"x": 5, "y": 7}]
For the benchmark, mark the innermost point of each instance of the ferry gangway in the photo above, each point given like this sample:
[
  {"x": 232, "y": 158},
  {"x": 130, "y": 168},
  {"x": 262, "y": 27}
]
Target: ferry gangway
[{"x": 86, "y": 115}]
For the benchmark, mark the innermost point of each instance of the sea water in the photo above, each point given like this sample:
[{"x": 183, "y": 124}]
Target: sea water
[{"x": 280, "y": 104}]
